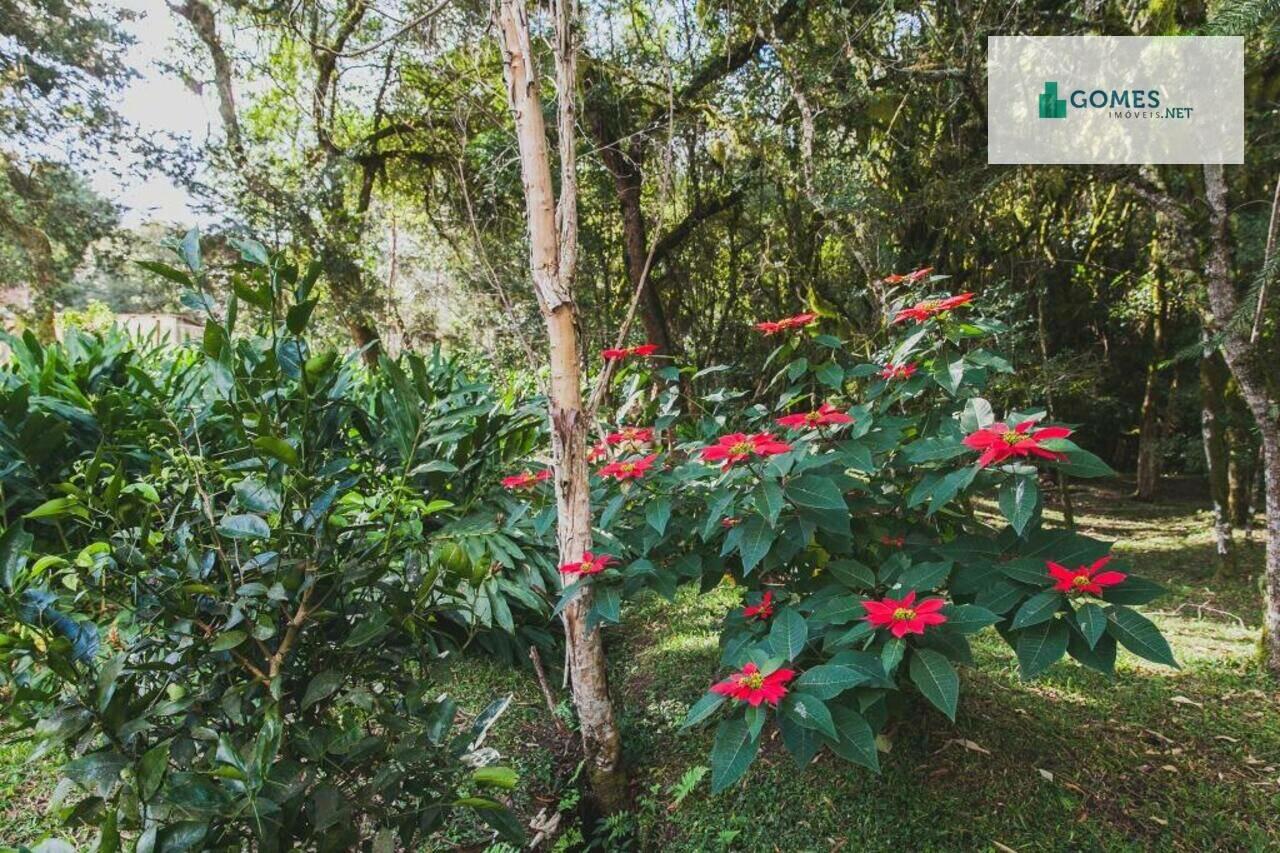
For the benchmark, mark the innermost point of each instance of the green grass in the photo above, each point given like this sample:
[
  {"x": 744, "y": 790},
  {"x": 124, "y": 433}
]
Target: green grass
[{"x": 1162, "y": 759}]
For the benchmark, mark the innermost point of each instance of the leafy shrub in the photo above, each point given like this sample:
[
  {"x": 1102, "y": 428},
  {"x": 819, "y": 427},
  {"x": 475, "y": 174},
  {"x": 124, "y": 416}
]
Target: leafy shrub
[
  {"x": 227, "y": 569},
  {"x": 840, "y": 493}
]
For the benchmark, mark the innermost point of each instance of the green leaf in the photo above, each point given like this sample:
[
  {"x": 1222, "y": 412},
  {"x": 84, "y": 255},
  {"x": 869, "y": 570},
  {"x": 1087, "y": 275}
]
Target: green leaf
[
  {"x": 754, "y": 542},
  {"x": 171, "y": 273},
  {"x": 857, "y": 741},
  {"x": 1082, "y": 463},
  {"x": 828, "y": 681},
  {"x": 1137, "y": 634},
  {"x": 925, "y": 576},
  {"x": 14, "y": 545},
  {"x": 968, "y": 618},
  {"x": 495, "y": 776},
  {"x": 731, "y": 754},
  {"x": 937, "y": 680},
  {"x": 852, "y": 574},
  {"x": 228, "y": 640},
  {"x": 816, "y": 492},
  {"x": 57, "y": 508},
  {"x": 1133, "y": 590},
  {"x": 299, "y": 315},
  {"x": 1092, "y": 622},
  {"x": 322, "y": 686},
  {"x": 769, "y": 501},
  {"x": 657, "y": 513},
  {"x": 244, "y": 526},
  {"x": 1018, "y": 502},
  {"x": 277, "y": 448},
  {"x": 808, "y": 711},
  {"x": 155, "y": 762},
  {"x": 1037, "y": 609},
  {"x": 96, "y": 772},
  {"x": 1039, "y": 646},
  {"x": 256, "y": 496},
  {"x": 891, "y": 654},
  {"x": 703, "y": 708},
  {"x": 830, "y": 374},
  {"x": 788, "y": 634}
]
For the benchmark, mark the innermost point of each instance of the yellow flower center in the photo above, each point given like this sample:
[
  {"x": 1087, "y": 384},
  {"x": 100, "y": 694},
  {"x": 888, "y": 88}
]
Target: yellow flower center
[
  {"x": 904, "y": 614},
  {"x": 755, "y": 681},
  {"x": 1080, "y": 580},
  {"x": 742, "y": 447},
  {"x": 813, "y": 417},
  {"x": 628, "y": 467},
  {"x": 929, "y": 305},
  {"x": 1012, "y": 438}
]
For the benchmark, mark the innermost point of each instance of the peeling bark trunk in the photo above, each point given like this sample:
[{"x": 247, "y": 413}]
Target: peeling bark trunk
[
  {"x": 552, "y": 259},
  {"x": 1213, "y": 415},
  {"x": 1242, "y": 360}
]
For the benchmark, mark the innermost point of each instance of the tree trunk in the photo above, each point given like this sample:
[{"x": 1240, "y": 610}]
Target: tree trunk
[
  {"x": 1242, "y": 462},
  {"x": 1150, "y": 433},
  {"x": 1213, "y": 410},
  {"x": 1242, "y": 360},
  {"x": 553, "y": 261}
]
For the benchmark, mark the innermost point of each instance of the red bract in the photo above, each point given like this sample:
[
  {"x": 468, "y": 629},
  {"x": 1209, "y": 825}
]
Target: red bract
[
  {"x": 998, "y": 442},
  {"x": 526, "y": 480},
  {"x": 761, "y": 611},
  {"x": 597, "y": 452},
  {"x": 824, "y": 415},
  {"x": 904, "y": 616},
  {"x": 772, "y": 327},
  {"x": 1084, "y": 579},
  {"x": 630, "y": 435},
  {"x": 730, "y": 523},
  {"x": 630, "y": 470},
  {"x": 753, "y": 687},
  {"x": 898, "y": 371},
  {"x": 590, "y": 564},
  {"x": 922, "y": 311},
  {"x": 639, "y": 351},
  {"x": 893, "y": 541},
  {"x": 909, "y": 278},
  {"x": 739, "y": 446}
]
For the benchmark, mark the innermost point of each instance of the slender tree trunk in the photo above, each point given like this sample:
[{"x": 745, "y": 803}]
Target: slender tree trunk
[
  {"x": 1042, "y": 325},
  {"x": 1150, "y": 433},
  {"x": 1213, "y": 409},
  {"x": 1242, "y": 359},
  {"x": 1242, "y": 462},
  {"x": 553, "y": 261}
]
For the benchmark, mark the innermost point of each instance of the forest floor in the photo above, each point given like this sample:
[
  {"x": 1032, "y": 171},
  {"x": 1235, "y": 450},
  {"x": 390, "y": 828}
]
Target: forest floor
[{"x": 1185, "y": 759}]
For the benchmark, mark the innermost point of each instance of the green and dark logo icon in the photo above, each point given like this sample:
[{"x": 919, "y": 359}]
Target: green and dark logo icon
[{"x": 1051, "y": 106}]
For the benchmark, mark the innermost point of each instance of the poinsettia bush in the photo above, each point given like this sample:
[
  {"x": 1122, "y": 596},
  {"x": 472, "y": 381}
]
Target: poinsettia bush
[{"x": 877, "y": 511}]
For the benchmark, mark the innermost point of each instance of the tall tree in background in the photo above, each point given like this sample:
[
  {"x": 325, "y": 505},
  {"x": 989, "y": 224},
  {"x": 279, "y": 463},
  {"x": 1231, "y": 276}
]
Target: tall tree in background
[
  {"x": 553, "y": 261},
  {"x": 61, "y": 64}
]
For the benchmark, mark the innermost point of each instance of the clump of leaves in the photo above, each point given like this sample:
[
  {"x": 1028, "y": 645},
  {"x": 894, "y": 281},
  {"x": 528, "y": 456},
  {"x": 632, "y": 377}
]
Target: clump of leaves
[{"x": 223, "y": 585}]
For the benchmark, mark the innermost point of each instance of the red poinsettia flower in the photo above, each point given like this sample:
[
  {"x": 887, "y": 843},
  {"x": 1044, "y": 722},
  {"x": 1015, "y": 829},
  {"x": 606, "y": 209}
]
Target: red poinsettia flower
[
  {"x": 730, "y": 523},
  {"x": 999, "y": 442},
  {"x": 630, "y": 435},
  {"x": 1084, "y": 579},
  {"x": 761, "y": 611},
  {"x": 772, "y": 327},
  {"x": 753, "y": 686},
  {"x": 526, "y": 480},
  {"x": 613, "y": 354},
  {"x": 597, "y": 452},
  {"x": 904, "y": 616},
  {"x": 632, "y": 469},
  {"x": 909, "y": 278},
  {"x": 922, "y": 311},
  {"x": 824, "y": 415},
  {"x": 738, "y": 446},
  {"x": 590, "y": 564},
  {"x": 893, "y": 541},
  {"x": 899, "y": 371}
]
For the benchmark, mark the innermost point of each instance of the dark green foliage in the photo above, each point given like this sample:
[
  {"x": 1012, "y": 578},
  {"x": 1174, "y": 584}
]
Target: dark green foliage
[{"x": 227, "y": 568}]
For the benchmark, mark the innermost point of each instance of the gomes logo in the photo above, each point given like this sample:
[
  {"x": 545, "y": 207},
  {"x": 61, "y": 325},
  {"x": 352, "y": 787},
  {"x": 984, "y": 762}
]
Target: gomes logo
[{"x": 1119, "y": 103}]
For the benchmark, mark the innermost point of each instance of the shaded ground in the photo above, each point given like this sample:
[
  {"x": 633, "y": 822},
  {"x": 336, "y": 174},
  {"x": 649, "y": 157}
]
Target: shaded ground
[{"x": 1156, "y": 759}]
